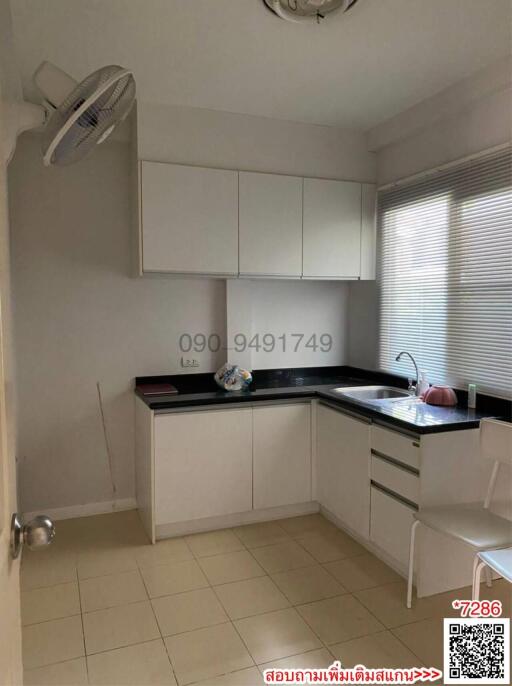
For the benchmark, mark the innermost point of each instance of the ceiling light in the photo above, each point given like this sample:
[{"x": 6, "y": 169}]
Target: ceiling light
[{"x": 308, "y": 10}]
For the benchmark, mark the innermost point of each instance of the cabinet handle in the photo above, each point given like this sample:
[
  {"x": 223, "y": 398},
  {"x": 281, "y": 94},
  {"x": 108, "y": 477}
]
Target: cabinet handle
[
  {"x": 347, "y": 413},
  {"x": 395, "y": 496},
  {"x": 395, "y": 462}
]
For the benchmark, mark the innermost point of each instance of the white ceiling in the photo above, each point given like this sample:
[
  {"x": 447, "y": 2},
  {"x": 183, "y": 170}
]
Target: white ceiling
[{"x": 354, "y": 70}]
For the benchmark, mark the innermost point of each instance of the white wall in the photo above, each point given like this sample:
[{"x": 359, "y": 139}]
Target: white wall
[
  {"x": 258, "y": 307},
  {"x": 81, "y": 319}
]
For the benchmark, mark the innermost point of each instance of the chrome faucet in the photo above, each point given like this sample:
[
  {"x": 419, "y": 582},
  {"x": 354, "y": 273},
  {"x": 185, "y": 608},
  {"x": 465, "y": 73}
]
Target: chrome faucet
[{"x": 412, "y": 387}]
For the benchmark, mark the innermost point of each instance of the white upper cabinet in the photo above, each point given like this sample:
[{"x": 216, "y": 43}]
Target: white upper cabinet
[
  {"x": 332, "y": 229},
  {"x": 270, "y": 225},
  {"x": 368, "y": 230},
  {"x": 189, "y": 219}
]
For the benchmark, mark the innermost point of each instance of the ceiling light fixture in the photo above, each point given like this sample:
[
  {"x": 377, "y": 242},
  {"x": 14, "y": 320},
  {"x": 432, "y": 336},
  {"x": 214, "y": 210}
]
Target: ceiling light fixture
[{"x": 308, "y": 10}]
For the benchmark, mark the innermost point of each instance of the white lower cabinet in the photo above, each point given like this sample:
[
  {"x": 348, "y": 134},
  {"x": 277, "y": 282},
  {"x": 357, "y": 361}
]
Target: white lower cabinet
[
  {"x": 281, "y": 455},
  {"x": 343, "y": 468},
  {"x": 390, "y": 525},
  {"x": 203, "y": 464}
]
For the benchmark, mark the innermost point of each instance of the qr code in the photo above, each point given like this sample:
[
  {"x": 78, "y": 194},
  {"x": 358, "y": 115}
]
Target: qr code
[{"x": 477, "y": 651}]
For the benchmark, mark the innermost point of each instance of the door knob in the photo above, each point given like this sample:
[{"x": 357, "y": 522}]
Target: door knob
[{"x": 36, "y": 534}]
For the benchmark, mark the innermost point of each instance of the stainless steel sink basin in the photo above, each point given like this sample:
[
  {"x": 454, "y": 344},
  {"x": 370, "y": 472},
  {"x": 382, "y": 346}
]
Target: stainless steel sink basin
[{"x": 374, "y": 394}]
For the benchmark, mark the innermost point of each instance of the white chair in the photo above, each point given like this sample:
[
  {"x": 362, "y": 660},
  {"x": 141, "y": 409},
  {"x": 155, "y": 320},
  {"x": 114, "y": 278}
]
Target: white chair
[
  {"x": 500, "y": 561},
  {"x": 472, "y": 524}
]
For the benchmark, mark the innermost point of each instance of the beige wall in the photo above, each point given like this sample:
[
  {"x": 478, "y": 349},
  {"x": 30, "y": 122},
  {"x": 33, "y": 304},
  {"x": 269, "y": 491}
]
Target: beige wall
[
  {"x": 471, "y": 116},
  {"x": 10, "y": 625},
  {"x": 82, "y": 319},
  {"x": 238, "y": 141}
]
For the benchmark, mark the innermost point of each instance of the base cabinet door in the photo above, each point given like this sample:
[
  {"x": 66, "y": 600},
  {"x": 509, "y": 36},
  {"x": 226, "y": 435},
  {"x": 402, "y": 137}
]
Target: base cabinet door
[
  {"x": 343, "y": 462},
  {"x": 390, "y": 525},
  {"x": 282, "y": 455},
  {"x": 203, "y": 464}
]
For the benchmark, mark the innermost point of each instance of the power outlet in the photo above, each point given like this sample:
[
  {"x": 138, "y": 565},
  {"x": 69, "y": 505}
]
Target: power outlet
[{"x": 187, "y": 363}]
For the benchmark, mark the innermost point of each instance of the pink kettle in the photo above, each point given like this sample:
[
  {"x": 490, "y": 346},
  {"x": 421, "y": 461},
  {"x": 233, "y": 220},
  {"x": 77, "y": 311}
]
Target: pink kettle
[{"x": 440, "y": 395}]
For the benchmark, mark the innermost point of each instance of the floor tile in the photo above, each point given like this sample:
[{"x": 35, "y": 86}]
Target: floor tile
[
  {"x": 103, "y": 562},
  {"x": 362, "y": 571},
  {"x": 55, "y": 641},
  {"x": 145, "y": 664},
  {"x": 307, "y": 584},
  {"x": 313, "y": 523},
  {"x": 282, "y": 556},
  {"x": 339, "y": 619},
  {"x": 119, "y": 626},
  {"x": 71, "y": 673},
  {"x": 251, "y": 597},
  {"x": 54, "y": 602},
  {"x": 163, "y": 552},
  {"x": 276, "y": 634},
  {"x": 377, "y": 650},
  {"x": 101, "y": 592},
  {"x": 244, "y": 677},
  {"x": 387, "y": 603},
  {"x": 205, "y": 653},
  {"x": 188, "y": 611},
  {"x": 264, "y": 533},
  {"x": 177, "y": 577},
  {"x": 223, "y": 569},
  {"x": 319, "y": 659},
  {"x": 329, "y": 546},
  {"x": 41, "y": 571},
  {"x": 214, "y": 543},
  {"x": 424, "y": 639}
]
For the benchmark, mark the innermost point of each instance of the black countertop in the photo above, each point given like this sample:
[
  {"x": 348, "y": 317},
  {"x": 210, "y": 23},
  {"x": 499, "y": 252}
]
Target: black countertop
[{"x": 320, "y": 382}]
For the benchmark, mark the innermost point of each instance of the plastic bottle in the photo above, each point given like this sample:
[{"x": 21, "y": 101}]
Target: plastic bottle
[{"x": 423, "y": 384}]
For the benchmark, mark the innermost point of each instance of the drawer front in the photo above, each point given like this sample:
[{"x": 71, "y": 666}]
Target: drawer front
[
  {"x": 390, "y": 526},
  {"x": 396, "y": 478},
  {"x": 397, "y": 446}
]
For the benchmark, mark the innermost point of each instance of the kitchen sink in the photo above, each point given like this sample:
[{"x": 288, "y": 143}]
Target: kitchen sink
[{"x": 374, "y": 394}]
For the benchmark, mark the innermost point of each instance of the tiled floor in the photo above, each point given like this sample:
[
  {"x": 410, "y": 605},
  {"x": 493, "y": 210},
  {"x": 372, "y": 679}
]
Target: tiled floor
[{"x": 102, "y": 607}]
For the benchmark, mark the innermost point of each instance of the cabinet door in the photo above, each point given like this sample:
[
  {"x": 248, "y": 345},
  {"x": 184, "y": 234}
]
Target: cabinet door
[
  {"x": 282, "y": 455},
  {"x": 332, "y": 229},
  {"x": 270, "y": 224},
  {"x": 391, "y": 525},
  {"x": 343, "y": 478},
  {"x": 203, "y": 464},
  {"x": 189, "y": 219}
]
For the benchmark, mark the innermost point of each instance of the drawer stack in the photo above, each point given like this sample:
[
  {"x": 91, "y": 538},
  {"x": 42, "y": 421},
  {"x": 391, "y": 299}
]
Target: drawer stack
[{"x": 395, "y": 490}]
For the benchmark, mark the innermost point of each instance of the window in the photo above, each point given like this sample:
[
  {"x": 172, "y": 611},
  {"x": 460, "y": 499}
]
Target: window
[{"x": 445, "y": 274}]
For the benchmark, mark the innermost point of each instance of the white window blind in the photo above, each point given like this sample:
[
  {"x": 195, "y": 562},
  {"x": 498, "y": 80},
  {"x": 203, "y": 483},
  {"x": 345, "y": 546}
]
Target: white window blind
[{"x": 445, "y": 274}]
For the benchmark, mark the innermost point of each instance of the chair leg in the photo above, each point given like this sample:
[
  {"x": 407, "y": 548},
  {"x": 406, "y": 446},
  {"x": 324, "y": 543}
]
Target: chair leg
[
  {"x": 488, "y": 577},
  {"x": 477, "y": 578},
  {"x": 411, "y": 563}
]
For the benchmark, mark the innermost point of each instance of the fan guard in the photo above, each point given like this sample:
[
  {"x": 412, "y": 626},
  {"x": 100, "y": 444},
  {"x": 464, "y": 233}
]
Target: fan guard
[
  {"x": 307, "y": 10},
  {"x": 88, "y": 115}
]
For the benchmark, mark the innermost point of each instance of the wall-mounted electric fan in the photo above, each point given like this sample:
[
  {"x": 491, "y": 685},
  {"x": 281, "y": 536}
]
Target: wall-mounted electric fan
[
  {"x": 307, "y": 10},
  {"x": 79, "y": 116}
]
